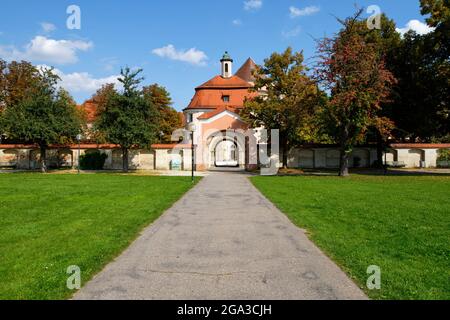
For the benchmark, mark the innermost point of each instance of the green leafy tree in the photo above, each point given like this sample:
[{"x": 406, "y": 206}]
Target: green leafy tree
[
  {"x": 170, "y": 120},
  {"x": 288, "y": 101},
  {"x": 127, "y": 118},
  {"x": 42, "y": 114},
  {"x": 355, "y": 75},
  {"x": 437, "y": 62}
]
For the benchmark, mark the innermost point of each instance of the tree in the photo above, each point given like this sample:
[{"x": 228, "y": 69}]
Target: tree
[
  {"x": 169, "y": 117},
  {"x": 437, "y": 62},
  {"x": 40, "y": 114},
  {"x": 356, "y": 76},
  {"x": 289, "y": 100},
  {"x": 128, "y": 119},
  {"x": 439, "y": 11},
  {"x": 101, "y": 97},
  {"x": 17, "y": 81},
  {"x": 386, "y": 41}
]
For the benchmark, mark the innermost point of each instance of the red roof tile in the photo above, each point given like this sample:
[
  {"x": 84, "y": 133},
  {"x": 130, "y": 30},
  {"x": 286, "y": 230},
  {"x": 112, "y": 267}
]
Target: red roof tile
[
  {"x": 246, "y": 71},
  {"x": 420, "y": 145},
  {"x": 219, "y": 82},
  {"x": 219, "y": 110}
]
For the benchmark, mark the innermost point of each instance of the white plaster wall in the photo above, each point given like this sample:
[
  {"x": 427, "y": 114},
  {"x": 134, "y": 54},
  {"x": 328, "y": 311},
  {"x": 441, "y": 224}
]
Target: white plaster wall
[
  {"x": 431, "y": 156},
  {"x": 162, "y": 161},
  {"x": 147, "y": 160}
]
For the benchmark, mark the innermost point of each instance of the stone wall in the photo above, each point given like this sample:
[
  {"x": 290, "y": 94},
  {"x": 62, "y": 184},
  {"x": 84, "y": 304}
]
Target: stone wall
[
  {"x": 159, "y": 158},
  {"x": 166, "y": 157},
  {"x": 404, "y": 155}
]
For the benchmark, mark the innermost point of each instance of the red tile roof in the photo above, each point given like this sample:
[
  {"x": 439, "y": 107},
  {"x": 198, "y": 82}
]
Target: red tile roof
[
  {"x": 219, "y": 82},
  {"x": 420, "y": 145},
  {"x": 90, "y": 146},
  {"x": 219, "y": 110},
  {"x": 246, "y": 71},
  {"x": 212, "y": 99}
]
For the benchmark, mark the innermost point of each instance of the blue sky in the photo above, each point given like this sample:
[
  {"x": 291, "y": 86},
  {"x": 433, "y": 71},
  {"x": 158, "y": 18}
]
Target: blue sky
[{"x": 178, "y": 43}]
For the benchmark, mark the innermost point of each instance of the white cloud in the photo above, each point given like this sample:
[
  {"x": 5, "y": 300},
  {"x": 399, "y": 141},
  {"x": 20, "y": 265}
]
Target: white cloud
[
  {"x": 291, "y": 33},
  {"x": 48, "y": 27},
  {"x": 237, "y": 22},
  {"x": 43, "y": 49},
  {"x": 253, "y": 4},
  {"x": 192, "y": 56},
  {"x": 417, "y": 26},
  {"x": 307, "y": 11},
  {"x": 82, "y": 82}
]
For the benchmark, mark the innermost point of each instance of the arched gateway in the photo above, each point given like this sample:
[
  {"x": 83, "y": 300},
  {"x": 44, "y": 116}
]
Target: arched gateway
[{"x": 220, "y": 136}]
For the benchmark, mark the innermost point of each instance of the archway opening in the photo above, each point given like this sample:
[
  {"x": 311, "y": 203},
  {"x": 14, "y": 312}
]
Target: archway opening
[{"x": 226, "y": 154}]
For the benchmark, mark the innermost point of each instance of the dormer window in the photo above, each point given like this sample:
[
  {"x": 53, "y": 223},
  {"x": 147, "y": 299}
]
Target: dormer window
[{"x": 226, "y": 98}]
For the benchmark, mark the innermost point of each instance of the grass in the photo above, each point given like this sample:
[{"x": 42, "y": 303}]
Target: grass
[
  {"x": 50, "y": 222},
  {"x": 399, "y": 223}
]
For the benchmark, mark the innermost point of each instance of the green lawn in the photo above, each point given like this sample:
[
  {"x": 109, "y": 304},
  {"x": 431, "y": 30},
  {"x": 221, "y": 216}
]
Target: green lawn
[
  {"x": 400, "y": 223},
  {"x": 49, "y": 222}
]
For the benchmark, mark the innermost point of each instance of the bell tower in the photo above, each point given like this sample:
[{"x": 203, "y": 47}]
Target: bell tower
[{"x": 227, "y": 65}]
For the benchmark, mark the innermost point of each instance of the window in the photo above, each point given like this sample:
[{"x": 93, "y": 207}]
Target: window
[
  {"x": 189, "y": 117},
  {"x": 226, "y": 98},
  {"x": 226, "y": 67}
]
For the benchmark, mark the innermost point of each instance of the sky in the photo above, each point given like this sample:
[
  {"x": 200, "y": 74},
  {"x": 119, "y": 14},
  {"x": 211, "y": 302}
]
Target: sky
[{"x": 178, "y": 43}]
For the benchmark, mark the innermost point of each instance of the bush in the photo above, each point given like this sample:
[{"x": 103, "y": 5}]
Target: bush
[
  {"x": 443, "y": 155},
  {"x": 93, "y": 161}
]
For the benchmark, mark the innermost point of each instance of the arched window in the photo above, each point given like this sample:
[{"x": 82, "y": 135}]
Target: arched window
[{"x": 226, "y": 67}]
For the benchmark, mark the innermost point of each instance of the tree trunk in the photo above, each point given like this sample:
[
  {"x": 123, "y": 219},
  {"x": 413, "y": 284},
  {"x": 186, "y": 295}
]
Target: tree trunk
[
  {"x": 285, "y": 154},
  {"x": 43, "y": 158},
  {"x": 343, "y": 167},
  {"x": 125, "y": 160},
  {"x": 345, "y": 153}
]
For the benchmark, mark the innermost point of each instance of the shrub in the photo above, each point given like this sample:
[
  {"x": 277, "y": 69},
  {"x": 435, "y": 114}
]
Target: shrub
[
  {"x": 443, "y": 155},
  {"x": 93, "y": 161}
]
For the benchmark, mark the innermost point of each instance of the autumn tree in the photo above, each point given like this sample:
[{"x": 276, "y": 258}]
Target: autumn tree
[
  {"x": 288, "y": 101},
  {"x": 127, "y": 118},
  {"x": 358, "y": 81},
  {"x": 386, "y": 41},
  {"x": 36, "y": 111},
  {"x": 169, "y": 119},
  {"x": 17, "y": 81}
]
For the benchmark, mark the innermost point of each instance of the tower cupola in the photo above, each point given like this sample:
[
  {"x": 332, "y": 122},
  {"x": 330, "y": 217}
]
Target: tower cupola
[{"x": 227, "y": 65}]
